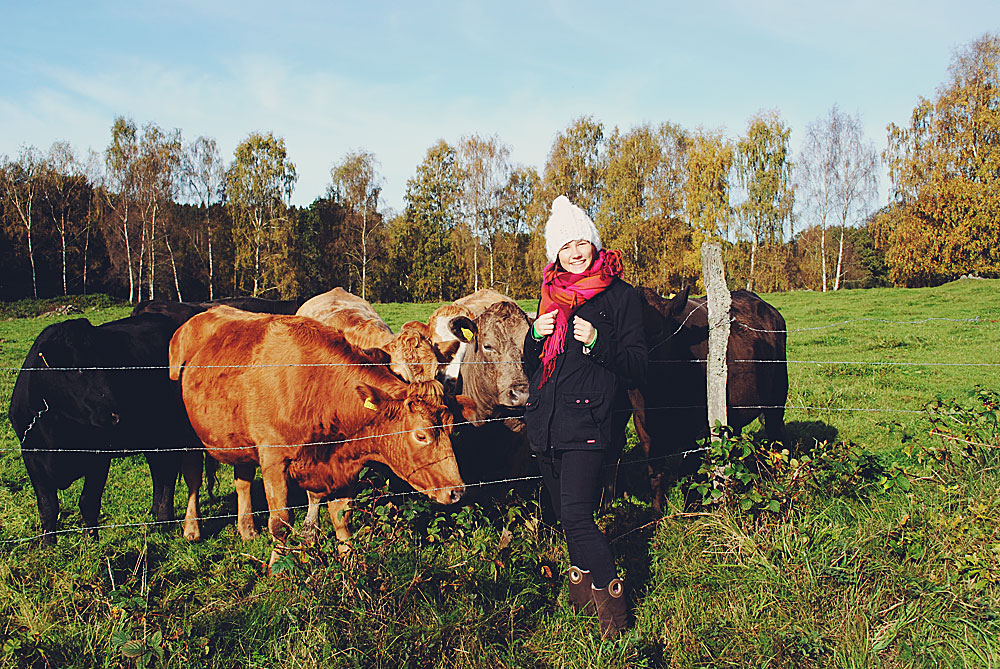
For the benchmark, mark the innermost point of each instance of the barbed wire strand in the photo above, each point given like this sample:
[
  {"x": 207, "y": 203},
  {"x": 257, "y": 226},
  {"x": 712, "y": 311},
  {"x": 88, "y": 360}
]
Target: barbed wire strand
[
  {"x": 888, "y": 363},
  {"x": 181, "y": 449}
]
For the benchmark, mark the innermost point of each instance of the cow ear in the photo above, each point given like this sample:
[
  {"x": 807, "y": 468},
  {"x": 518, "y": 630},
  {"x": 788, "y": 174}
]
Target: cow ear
[
  {"x": 375, "y": 355},
  {"x": 463, "y": 328},
  {"x": 371, "y": 398},
  {"x": 461, "y": 406}
]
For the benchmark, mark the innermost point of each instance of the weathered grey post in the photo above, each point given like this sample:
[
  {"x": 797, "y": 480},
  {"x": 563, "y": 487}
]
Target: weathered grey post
[{"x": 718, "y": 330}]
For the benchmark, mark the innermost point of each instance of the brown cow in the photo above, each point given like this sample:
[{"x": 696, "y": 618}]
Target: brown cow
[
  {"x": 493, "y": 378},
  {"x": 671, "y": 411},
  {"x": 290, "y": 394},
  {"x": 411, "y": 353}
]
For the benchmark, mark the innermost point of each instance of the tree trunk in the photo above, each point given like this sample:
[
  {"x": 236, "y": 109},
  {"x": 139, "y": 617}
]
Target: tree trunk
[
  {"x": 132, "y": 297},
  {"x": 86, "y": 247},
  {"x": 256, "y": 269},
  {"x": 364, "y": 255},
  {"x": 211, "y": 266},
  {"x": 173, "y": 263},
  {"x": 31, "y": 258},
  {"x": 822, "y": 253},
  {"x": 753, "y": 261},
  {"x": 840, "y": 259},
  {"x": 152, "y": 254},
  {"x": 142, "y": 262},
  {"x": 62, "y": 243}
]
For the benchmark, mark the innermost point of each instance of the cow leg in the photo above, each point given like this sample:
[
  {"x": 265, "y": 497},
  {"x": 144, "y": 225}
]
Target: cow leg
[
  {"x": 191, "y": 467},
  {"x": 93, "y": 488},
  {"x": 655, "y": 474},
  {"x": 310, "y": 526},
  {"x": 163, "y": 470},
  {"x": 48, "y": 510},
  {"x": 46, "y": 494},
  {"x": 619, "y": 423},
  {"x": 279, "y": 516},
  {"x": 340, "y": 514},
  {"x": 774, "y": 426},
  {"x": 244, "y": 476}
]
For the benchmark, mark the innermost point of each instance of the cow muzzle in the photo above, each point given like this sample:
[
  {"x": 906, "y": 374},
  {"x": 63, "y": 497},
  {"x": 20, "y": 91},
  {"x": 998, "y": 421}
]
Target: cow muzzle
[
  {"x": 516, "y": 396},
  {"x": 449, "y": 495}
]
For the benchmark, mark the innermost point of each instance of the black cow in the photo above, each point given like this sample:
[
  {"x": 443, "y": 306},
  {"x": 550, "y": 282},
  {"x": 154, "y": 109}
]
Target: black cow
[
  {"x": 181, "y": 311},
  {"x": 74, "y": 408},
  {"x": 671, "y": 410}
]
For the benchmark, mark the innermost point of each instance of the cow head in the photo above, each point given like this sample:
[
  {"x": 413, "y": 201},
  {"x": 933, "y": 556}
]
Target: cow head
[
  {"x": 417, "y": 438},
  {"x": 495, "y": 379},
  {"x": 413, "y": 356},
  {"x": 62, "y": 361}
]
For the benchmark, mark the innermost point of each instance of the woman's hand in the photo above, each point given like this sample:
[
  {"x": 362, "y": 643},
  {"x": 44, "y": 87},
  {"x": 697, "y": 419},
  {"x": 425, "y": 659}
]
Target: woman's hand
[
  {"x": 546, "y": 323},
  {"x": 583, "y": 331}
]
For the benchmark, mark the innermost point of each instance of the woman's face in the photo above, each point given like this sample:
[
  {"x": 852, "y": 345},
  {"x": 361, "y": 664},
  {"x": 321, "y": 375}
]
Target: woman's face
[{"x": 576, "y": 256}]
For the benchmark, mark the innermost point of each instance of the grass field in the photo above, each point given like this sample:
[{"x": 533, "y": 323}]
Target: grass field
[{"x": 883, "y": 552}]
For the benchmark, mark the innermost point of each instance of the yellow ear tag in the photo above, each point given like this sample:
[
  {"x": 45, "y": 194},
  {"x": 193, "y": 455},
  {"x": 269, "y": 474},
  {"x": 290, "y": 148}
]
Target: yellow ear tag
[
  {"x": 43, "y": 358},
  {"x": 467, "y": 333},
  {"x": 370, "y": 405}
]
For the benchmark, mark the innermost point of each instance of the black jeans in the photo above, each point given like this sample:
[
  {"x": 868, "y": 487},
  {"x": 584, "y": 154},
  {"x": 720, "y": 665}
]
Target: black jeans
[{"x": 574, "y": 480}]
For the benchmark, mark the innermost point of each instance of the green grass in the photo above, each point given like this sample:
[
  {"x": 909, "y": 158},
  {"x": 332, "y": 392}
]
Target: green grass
[{"x": 894, "y": 567}]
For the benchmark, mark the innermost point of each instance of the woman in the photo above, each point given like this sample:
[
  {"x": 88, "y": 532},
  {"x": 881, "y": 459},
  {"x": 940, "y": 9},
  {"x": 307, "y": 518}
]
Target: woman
[{"x": 584, "y": 349}]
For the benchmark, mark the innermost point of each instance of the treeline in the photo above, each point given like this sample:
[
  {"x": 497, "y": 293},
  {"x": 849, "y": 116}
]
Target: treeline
[{"x": 153, "y": 215}]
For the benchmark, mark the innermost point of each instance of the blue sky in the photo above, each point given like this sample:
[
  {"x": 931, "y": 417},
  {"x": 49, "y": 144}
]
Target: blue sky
[{"x": 394, "y": 77}]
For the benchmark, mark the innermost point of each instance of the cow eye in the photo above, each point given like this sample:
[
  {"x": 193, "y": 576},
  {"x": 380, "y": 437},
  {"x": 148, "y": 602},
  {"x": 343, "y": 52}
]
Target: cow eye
[
  {"x": 488, "y": 348},
  {"x": 421, "y": 436}
]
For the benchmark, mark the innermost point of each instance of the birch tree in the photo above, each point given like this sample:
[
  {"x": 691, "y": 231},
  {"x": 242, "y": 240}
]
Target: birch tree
[
  {"x": 857, "y": 182},
  {"x": 121, "y": 192},
  {"x": 204, "y": 179},
  {"x": 764, "y": 172},
  {"x": 356, "y": 185},
  {"x": 64, "y": 187},
  {"x": 575, "y": 165},
  {"x": 838, "y": 179},
  {"x": 21, "y": 181},
  {"x": 484, "y": 169},
  {"x": 259, "y": 185},
  {"x": 157, "y": 167},
  {"x": 642, "y": 196}
]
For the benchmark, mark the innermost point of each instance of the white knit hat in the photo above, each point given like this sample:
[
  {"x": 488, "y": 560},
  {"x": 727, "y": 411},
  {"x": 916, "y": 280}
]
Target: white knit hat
[{"x": 567, "y": 223}]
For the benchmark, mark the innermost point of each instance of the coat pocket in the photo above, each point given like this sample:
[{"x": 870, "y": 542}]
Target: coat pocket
[{"x": 580, "y": 421}]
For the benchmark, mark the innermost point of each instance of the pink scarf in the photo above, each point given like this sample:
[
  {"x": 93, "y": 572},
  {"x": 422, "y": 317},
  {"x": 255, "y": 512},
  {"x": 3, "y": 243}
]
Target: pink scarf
[{"x": 566, "y": 292}]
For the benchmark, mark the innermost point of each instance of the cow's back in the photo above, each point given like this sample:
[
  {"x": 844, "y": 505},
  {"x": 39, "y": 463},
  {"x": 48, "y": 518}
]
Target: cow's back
[
  {"x": 352, "y": 315},
  {"x": 247, "y": 377},
  {"x": 481, "y": 300}
]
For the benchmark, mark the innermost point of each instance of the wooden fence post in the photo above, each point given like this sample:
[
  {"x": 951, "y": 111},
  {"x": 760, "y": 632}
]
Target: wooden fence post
[{"x": 718, "y": 330}]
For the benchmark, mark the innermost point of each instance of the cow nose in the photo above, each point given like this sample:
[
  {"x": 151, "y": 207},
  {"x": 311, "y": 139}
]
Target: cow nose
[
  {"x": 114, "y": 418},
  {"x": 456, "y": 494},
  {"x": 518, "y": 396}
]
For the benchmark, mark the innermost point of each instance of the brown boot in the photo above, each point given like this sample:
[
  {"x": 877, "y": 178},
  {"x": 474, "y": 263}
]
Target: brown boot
[
  {"x": 612, "y": 608},
  {"x": 580, "y": 586}
]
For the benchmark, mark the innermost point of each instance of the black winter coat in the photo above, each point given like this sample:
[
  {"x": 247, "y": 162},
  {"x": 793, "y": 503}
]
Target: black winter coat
[{"x": 574, "y": 409}]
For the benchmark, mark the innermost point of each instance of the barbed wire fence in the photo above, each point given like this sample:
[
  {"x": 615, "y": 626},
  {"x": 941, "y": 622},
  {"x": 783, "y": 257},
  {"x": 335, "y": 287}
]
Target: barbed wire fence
[{"x": 976, "y": 320}]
